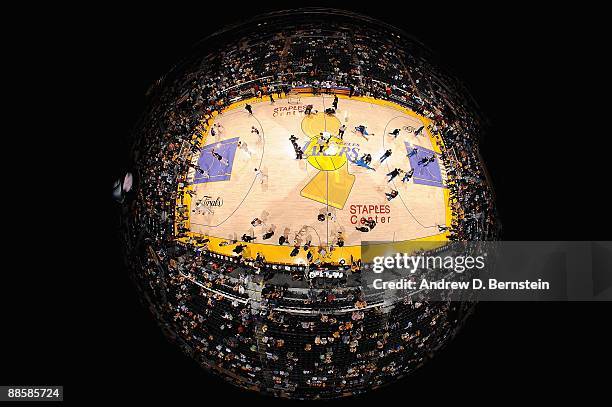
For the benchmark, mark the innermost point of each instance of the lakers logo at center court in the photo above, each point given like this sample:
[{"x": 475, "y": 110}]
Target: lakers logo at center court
[{"x": 327, "y": 153}]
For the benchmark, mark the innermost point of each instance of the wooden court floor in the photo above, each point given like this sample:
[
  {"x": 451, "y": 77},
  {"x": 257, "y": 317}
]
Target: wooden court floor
[{"x": 274, "y": 193}]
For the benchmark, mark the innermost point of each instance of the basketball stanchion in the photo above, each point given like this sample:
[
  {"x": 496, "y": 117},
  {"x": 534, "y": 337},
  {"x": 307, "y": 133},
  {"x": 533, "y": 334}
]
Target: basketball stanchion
[{"x": 293, "y": 98}]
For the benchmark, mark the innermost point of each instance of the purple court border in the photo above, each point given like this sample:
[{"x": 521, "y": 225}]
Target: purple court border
[
  {"x": 429, "y": 174},
  {"x": 216, "y": 170}
]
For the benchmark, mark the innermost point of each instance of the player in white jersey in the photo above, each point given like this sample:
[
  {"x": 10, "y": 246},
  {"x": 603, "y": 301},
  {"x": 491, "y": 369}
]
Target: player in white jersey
[
  {"x": 243, "y": 146},
  {"x": 259, "y": 173}
]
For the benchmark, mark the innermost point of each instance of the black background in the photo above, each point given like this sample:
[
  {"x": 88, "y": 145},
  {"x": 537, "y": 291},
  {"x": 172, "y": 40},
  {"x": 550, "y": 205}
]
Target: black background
[{"x": 524, "y": 68}]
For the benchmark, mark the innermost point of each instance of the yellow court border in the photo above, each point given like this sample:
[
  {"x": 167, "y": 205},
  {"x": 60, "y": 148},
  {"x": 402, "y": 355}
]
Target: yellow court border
[{"x": 280, "y": 254}]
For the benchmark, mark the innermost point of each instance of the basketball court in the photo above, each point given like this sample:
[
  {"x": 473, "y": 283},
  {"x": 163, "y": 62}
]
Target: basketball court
[{"x": 256, "y": 186}]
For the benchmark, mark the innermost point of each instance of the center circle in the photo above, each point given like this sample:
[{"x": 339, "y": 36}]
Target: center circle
[
  {"x": 325, "y": 150},
  {"x": 316, "y": 123},
  {"x": 326, "y": 153}
]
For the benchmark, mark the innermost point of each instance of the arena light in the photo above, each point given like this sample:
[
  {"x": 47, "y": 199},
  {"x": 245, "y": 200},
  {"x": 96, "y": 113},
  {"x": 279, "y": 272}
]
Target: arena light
[
  {"x": 128, "y": 180},
  {"x": 118, "y": 191}
]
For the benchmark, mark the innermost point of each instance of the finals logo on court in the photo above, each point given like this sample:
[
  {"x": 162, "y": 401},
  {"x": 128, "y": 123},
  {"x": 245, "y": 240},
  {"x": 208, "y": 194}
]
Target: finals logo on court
[{"x": 210, "y": 202}]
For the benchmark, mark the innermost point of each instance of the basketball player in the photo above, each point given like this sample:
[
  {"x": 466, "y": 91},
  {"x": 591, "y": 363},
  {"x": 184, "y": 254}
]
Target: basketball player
[
  {"x": 332, "y": 215},
  {"x": 386, "y": 155},
  {"x": 425, "y": 161},
  {"x": 341, "y": 131},
  {"x": 195, "y": 167},
  {"x": 256, "y": 131},
  {"x": 271, "y": 98},
  {"x": 260, "y": 174},
  {"x": 412, "y": 152},
  {"x": 362, "y": 229},
  {"x": 219, "y": 128},
  {"x": 256, "y": 222},
  {"x": 298, "y": 151},
  {"x": 218, "y": 157},
  {"x": 395, "y": 133},
  {"x": 322, "y": 252},
  {"x": 239, "y": 248},
  {"x": 321, "y": 142},
  {"x": 394, "y": 174},
  {"x": 243, "y": 146},
  {"x": 340, "y": 239},
  {"x": 364, "y": 162},
  {"x": 208, "y": 209},
  {"x": 335, "y": 102},
  {"x": 268, "y": 234},
  {"x": 418, "y": 131},
  {"x": 249, "y": 109},
  {"x": 392, "y": 194},
  {"x": 363, "y": 131},
  {"x": 200, "y": 207},
  {"x": 247, "y": 238},
  {"x": 408, "y": 175}
]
